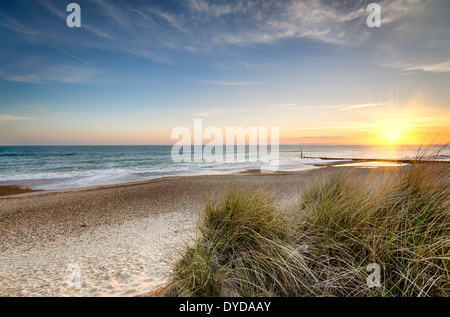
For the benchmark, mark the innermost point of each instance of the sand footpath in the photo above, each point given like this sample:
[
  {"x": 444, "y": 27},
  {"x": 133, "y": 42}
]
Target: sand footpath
[{"x": 118, "y": 240}]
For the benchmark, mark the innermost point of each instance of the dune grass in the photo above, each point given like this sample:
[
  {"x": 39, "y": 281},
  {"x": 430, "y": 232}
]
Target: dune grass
[{"x": 323, "y": 244}]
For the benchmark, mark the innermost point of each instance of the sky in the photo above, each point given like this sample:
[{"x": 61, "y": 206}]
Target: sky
[{"x": 136, "y": 70}]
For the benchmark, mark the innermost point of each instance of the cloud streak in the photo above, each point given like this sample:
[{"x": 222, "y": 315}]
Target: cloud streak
[
  {"x": 7, "y": 117},
  {"x": 77, "y": 58},
  {"x": 235, "y": 83},
  {"x": 367, "y": 105},
  {"x": 158, "y": 32}
]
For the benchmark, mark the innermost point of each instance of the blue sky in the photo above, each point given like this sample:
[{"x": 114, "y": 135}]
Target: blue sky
[{"x": 137, "y": 69}]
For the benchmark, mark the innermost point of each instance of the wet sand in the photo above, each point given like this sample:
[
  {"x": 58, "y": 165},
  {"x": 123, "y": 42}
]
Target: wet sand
[{"x": 14, "y": 190}]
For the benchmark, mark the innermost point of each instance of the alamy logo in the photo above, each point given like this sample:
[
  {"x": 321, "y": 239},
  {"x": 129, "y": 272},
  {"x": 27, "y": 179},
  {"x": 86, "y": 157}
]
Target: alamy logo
[
  {"x": 374, "y": 18},
  {"x": 74, "y": 19},
  {"x": 374, "y": 278},
  {"x": 74, "y": 275},
  {"x": 213, "y": 151}
]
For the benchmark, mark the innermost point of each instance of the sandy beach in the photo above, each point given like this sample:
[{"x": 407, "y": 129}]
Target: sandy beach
[{"x": 123, "y": 237}]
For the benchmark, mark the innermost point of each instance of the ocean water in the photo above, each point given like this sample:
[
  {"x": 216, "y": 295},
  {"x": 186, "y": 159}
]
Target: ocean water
[{"x": 53, "y": 167}]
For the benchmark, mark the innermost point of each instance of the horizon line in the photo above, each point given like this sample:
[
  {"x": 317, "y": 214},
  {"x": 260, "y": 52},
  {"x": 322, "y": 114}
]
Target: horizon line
[{"x": 280, "y": 144}]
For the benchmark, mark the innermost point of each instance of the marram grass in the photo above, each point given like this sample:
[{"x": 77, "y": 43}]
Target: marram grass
[{"x": 321, "y": 246}]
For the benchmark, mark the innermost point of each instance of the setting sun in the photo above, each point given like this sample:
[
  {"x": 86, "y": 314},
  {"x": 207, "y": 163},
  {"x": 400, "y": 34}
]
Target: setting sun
[{"x": 393, "y": 137}]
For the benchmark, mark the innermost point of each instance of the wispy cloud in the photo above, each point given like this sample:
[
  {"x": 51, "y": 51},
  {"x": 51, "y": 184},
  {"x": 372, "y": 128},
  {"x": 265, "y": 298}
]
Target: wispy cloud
[
  {"x": 64, "y": 114},
  {"x": 77, "y": 58},
  {"x": 410, "y": 123},
  {"x": 159, "y": 32},
  {"x": 234, "y": 83},
  {"x": 7, "y": 117},
  {"x": 16, "y": 26},
  {"x": 443, "y": 67},
  {"x": 286, "y": 105},
  {"x": 203, "y": 114},
  {"x": 413, "y": 36},
  {"x": 144, "y": 27},
  {"x": 154, "y": 31},
  {"x": 114, "y": 12},
  {"x": 367, "y": 105},
  {"x": 42, "y": 69},
  {"x": 59, "y": 74}
]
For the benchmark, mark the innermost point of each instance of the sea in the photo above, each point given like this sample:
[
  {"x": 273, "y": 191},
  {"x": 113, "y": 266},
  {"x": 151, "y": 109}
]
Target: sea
[{"x": 59, "y": 167}]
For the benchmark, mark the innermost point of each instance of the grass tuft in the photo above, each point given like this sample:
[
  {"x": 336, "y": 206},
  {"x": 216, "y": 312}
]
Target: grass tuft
[{"x": 321, "y": 246}]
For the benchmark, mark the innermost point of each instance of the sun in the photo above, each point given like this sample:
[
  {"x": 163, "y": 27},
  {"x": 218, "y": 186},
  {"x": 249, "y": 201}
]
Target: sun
[{"x": 392, "y": 136}]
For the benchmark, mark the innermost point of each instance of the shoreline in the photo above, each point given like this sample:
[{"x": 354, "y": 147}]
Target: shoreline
[
  {"x": 122, "y": 235},
  {"x": 18, "y": 187}
]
